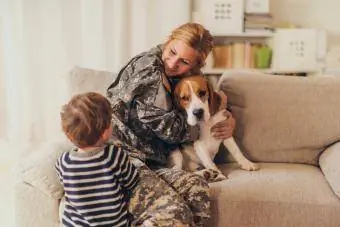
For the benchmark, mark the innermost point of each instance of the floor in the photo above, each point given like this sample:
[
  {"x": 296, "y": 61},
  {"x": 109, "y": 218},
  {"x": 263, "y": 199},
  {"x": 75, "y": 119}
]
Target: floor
[
  {"x": 6, "y": 195},
  {"x": 6, "y": 188}
]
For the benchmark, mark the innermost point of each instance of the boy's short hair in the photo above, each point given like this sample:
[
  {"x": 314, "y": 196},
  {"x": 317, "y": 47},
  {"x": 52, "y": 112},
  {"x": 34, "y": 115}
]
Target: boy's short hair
[{"x": 85, "y": 118}]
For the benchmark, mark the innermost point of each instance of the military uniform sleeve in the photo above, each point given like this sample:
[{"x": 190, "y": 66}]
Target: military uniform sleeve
[
  {"x": 137, "y": 86},
  {"x": 169, "y": 125}
]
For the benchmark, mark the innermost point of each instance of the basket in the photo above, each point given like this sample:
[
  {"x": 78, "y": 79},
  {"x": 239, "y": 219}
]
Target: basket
[
  {"x": 295, "y": 49},
  {"x": 257, "y": 6},
  {"x": 223, "y": 17}
]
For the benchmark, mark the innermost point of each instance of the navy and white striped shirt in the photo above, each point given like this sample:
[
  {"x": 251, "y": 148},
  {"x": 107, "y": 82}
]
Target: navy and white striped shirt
[{"x": 96, "y": 185}]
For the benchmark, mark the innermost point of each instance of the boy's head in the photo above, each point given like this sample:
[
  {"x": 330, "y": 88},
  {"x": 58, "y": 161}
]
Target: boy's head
[{"x": 86, "y": 119}]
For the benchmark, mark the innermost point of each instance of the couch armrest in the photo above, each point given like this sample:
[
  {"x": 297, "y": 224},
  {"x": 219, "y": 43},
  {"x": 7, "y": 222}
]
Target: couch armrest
[
  {"x": 33, "y": 208},
  {"x": 37, "y": 169},
  {"x": 329, "y": 163}
]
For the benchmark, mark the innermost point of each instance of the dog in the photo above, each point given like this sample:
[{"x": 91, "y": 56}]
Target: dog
[{"x": 203, "y": 106}]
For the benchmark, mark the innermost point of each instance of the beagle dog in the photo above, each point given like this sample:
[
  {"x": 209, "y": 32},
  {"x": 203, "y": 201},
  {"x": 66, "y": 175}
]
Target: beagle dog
[{"x": 203, "y": 106}]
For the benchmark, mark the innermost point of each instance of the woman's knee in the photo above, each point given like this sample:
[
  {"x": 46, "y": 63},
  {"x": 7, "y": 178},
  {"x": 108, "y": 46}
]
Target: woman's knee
[
  {"x": 167, "y": 213},
  {"x": 182, "y": 180},
  {"x": 154, "y": 201},
  {"x": 149, "y": 223},
  {"x": 195, "y": 179},
  {"x": 195, "y": 183},
  {"x": 195, "y": 191},
  {"x": 175, "y": 212}
]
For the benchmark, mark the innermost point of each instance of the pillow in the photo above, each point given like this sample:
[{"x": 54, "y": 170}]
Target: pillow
[
  {"x": 287, "y": 119},
  {"x": 329, "y": 163},
  {"x": 37, "y": 168},
  {"x": 84, "y": 80}
]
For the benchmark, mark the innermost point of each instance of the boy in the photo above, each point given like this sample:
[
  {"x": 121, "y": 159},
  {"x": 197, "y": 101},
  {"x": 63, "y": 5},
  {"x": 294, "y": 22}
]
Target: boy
[{"x": 97, "y": 176}]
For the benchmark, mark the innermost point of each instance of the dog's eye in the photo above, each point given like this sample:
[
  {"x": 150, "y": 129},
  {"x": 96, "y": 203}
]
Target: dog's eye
[
  {"x": 185, "y": 98},
  {"x": 202, "y": 93}
]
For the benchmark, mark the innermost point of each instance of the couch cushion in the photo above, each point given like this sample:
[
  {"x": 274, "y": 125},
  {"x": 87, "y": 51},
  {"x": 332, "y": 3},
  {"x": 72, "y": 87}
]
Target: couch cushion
[
  {"x": 284, "y": 118},
  {"x": 329, "y": 164},
  {"x": 37, "y": 168},
  {"x": 83, "y": 80},
  {"x": 34, "y": 208},
  {"x": 276, "y": 195}
]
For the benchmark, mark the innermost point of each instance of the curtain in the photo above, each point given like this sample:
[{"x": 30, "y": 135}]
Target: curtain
[{"x": 42, "y": 40}]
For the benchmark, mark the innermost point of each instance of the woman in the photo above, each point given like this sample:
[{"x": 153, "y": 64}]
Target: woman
[{"x": 146, "y": 120}]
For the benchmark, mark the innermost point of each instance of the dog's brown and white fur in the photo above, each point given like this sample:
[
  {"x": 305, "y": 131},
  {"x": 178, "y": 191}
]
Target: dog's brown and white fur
[{"x": 203, "y": 106}]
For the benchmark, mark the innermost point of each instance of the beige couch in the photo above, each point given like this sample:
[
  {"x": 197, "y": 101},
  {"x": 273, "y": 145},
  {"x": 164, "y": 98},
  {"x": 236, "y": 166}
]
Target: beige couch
[{"x": 290, "y": 125}]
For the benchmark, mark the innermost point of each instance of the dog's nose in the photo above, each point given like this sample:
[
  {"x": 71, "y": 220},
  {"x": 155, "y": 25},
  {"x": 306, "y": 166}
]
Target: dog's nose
[{"x": 198, "y": 113}]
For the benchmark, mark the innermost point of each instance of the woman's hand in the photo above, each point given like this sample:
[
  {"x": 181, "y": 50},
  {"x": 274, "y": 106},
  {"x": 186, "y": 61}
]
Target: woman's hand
[{"x": 224, "y": 129}]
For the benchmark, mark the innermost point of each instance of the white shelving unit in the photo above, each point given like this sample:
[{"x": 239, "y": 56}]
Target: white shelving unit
[
  {"x": 215, "y": 71},
  {"x": 272, "y": 40},
  {"x": 262, "y": 36},
  {"x": 258, "y": 34},
  {"x": 291, "y": 53}
]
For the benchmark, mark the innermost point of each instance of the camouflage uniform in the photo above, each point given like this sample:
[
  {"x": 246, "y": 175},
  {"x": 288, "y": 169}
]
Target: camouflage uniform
[{"x": 147, "y": 122}]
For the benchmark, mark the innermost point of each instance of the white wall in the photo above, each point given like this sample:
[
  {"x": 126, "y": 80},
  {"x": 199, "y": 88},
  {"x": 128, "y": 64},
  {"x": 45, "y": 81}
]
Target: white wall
[
  {"x": 2, "y": 96},
  {"x": 310, "y": 13},
  {"x": 42, "y": 40}
]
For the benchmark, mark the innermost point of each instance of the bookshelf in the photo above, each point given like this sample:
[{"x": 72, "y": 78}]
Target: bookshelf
[
  {"x": 240, "y": 51},
  {"x": 215, "y": 71},
  {"x": 246, "y": 39},
  {"x": 249, "y": 34},
  {"x": 263, "y": 38}
]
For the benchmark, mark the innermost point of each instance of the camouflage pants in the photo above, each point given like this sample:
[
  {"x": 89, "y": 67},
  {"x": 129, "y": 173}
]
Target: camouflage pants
[{"x": 168, "y": 197}]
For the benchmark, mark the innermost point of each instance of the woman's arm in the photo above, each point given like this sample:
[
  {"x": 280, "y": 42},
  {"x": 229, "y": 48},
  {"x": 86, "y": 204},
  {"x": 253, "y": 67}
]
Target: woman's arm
[
  {"x": 224, "y": 129},
  {"x": 138, "y": 86},
  {"x": 170, "y": 126}
]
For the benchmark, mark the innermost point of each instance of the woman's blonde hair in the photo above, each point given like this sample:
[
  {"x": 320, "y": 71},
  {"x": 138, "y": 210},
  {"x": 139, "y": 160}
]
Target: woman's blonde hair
[{"x": 195, "y": 36}]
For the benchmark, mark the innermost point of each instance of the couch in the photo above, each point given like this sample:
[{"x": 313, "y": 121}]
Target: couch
[{"x": 290, "y": 125}]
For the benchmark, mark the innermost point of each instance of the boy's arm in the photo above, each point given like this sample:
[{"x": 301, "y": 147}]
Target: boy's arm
[
  {"x": 58, "y": 170},
  {"x": 129, "y": 173}
]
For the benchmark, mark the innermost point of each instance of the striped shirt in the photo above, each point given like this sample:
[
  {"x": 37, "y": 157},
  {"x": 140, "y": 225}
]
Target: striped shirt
[{"x": 96, "y": 184}]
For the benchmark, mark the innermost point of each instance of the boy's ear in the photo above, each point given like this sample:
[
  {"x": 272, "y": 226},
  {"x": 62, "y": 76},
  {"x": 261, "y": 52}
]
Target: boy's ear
[{"x": 106, "y": 134}]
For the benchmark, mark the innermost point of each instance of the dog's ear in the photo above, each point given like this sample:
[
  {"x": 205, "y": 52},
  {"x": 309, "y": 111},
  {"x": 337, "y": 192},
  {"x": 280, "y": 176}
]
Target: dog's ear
[
  {"x": 215, "y": 100},
  {"x": 176, "y": 98}
]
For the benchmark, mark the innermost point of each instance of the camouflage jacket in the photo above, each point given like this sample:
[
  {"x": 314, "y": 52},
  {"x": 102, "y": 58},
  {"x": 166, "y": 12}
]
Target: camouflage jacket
[{"x": 145, "y": 117}]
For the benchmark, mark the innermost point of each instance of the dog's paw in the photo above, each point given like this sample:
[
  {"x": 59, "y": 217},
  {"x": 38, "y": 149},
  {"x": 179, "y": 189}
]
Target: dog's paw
[
  {"x": 220, "y": 177},
  {"x": 212, "y": 175},
  {"x": 176, "y": 167},
  {"x": 250, "y": 166}
]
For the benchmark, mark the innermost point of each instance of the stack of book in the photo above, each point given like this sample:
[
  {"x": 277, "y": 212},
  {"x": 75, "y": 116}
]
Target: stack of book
[
  {"x": 241, "y": 55},
  {"x": 258, "y": 22}
]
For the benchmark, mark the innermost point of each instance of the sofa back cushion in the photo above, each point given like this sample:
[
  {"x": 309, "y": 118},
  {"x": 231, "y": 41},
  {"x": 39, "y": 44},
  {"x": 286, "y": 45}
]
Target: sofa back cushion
[
  {"x": 81, "y": 80},
  {"x": 284, "y": 118},
  {"x": 37, "y": 168}
]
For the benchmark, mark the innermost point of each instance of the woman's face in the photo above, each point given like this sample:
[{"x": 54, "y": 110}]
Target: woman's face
[{"x": 178, "y": 58}]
